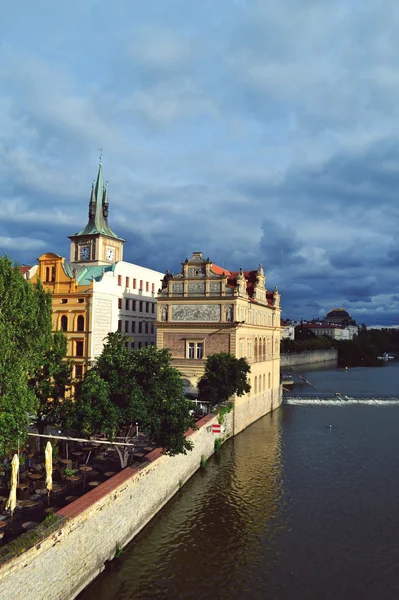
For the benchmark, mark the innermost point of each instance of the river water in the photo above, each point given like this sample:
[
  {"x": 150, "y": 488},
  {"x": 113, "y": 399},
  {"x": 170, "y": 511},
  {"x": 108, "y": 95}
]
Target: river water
[{"x": 291, "y": 509}]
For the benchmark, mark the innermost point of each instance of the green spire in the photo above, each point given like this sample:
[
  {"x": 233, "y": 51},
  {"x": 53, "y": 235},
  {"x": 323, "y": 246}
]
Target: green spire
[{"x": 98, "y": 208}]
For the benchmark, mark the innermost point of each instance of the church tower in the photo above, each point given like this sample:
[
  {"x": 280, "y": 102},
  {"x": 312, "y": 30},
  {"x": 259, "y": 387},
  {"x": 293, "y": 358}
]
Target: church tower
[{"x": 97, "y": 244}]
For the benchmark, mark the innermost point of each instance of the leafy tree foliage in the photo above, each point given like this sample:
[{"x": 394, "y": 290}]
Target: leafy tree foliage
[
  {"x": 49, "y": 382},
  {"x": 224, "y": 376},
  {"x": 126, "y": 387},
  {"x": 25, "y": 336}
]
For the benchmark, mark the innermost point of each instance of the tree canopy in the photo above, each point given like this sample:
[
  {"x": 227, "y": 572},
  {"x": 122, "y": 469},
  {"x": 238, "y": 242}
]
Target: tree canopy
[
  {"x": 126, "y": 387},
  {"x": 25, "y": 336},
  {"x": 224, "y": 376}
]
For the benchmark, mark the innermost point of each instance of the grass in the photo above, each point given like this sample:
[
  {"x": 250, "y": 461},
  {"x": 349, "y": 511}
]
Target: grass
[
  {"x": 218, "y": 444},
  {"x": 118, "y": 550}
]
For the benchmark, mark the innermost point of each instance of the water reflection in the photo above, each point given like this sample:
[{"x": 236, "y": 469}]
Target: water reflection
[{"x": 219, "y": 533}]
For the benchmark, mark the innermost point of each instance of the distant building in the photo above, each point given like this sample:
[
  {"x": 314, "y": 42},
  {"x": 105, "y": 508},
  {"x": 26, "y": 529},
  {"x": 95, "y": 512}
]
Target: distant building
[
  {"x": 206, "y": 309},
  {"x": 288, "y": 331},
  {"x": 339, "y": 316},
  {"x": 96, "y": 292},
  {"x": 336, "y": 332}
]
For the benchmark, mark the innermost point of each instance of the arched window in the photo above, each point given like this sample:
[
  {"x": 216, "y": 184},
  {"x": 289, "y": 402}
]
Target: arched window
[
  {"x": 264, "y": 382},
  {"x": 52, "y": 273},
  {"x": 264, "y": 348},
  {"x": 81, "y": 323},
  {"x": 64, "y": 323},
  {"x": 256, "y": 385},
  {"x": 256, "y": 351},
  {"x": 47, "y": 273},
  {"x": 268, "y": 381}
]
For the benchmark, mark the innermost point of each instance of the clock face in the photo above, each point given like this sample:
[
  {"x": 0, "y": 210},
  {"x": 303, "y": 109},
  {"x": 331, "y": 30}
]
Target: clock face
[
  {"x": 85, "y": 253},
  {"x": 110, "y": 254}
]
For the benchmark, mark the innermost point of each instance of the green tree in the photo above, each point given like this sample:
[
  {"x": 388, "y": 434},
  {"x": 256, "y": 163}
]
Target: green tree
[
  {"x": 49, "y": 382},
  {"x": 25, "y": 335},
  {"x": 224, "y": 376},
  {"x": 126, "y": 387}
]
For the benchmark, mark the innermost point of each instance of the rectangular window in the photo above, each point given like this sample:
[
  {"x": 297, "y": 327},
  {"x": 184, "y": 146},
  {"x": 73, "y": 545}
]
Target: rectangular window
[
  {"x": 146, "y": 344},
  {"x": 146, "y": 327},
  {"x": 195, "y": 350},
  {"x": 147, "y": 286},
  {"x": 119, "y": 325},
  {"x": 127, "y": 281},
  {"x": 134, "y": 284},
  {"x": 133, "y": 304},
  {"x": 153, "y": 307},
  {"x": 133, "y": 326},
  {"x": 133, "y": 345},
  {"x": 78, "y": 371},
  {"x": 127, "y": 303},
  {"x": 139, "y": 345},
  {"x": 152, "y": 328},
  {"x": 119, "y": 279},
  {"x": 126, "y": 326},
  {"x": 140, "y": 327},
  {"x": 141, "y": 285},
  {"x": 153, "y": 288},
  {"x": 119, "y": 302},
  {"x": 79, "y": 349},
  {"x": 141, "y": 307},
  {"x": 147, "y": 307}
]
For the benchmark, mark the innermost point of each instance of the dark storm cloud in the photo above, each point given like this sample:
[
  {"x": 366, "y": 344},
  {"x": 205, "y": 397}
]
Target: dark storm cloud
[{"x": 254, "y": 131}]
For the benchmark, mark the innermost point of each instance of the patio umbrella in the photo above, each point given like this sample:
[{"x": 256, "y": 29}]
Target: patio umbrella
[
  {"x": 12, "y": 498},
  {"x": 49, "y": 466}
]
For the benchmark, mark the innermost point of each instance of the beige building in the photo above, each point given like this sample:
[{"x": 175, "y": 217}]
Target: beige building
[{"x": 206, "y": 309}]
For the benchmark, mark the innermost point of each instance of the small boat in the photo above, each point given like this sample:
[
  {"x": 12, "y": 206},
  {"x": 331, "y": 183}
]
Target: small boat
[
  {"x": 287, "y": 380},
  {"x": 386, "y": 356}
]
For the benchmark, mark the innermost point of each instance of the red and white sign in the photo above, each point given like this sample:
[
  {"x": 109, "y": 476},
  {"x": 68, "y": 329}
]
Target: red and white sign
[{"x": 216, "y": 428}]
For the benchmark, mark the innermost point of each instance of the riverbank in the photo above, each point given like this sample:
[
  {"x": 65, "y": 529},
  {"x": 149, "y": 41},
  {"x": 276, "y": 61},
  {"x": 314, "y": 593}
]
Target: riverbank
[
  {"x": 308, "y": 357},
  {"x": 96, "y": 527}
]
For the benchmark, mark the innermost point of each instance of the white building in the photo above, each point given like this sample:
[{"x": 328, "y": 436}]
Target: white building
[{"x": 125, "y": 300}]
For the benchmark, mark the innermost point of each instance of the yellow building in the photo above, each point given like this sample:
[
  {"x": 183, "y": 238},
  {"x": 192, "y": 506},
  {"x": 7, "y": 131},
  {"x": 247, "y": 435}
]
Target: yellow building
[
  {"x": 71, "y": 300},
  {"x": 206, "y": 309}
]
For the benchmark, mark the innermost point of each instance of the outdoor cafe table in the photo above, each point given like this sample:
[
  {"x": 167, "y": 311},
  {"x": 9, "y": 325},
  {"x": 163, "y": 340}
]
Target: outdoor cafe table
[
  {"x": 3, "y": 524},
  {"x": 94, "y": 484},
  {"x": 66, "y": 461},
  {"x": 29, "y": 525},
  {"x": 110, "y": 473}
]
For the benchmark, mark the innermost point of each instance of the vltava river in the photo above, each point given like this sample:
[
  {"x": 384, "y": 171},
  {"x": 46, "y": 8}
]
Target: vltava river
[{"x": 290, "y": 509}]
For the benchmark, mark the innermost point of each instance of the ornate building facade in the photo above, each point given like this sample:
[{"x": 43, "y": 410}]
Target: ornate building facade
[{"x": 206, "y": 309}]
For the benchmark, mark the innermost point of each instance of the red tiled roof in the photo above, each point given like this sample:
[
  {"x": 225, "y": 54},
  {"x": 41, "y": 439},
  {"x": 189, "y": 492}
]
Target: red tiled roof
[
  {"x": 320, "y": 326},
  {"x": 219, "y": 270},
  {"x": 24, "y": 269}
]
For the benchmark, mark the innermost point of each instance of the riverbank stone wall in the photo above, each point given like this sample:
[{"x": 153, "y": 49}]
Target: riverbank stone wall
[
  {"x": 112, "y": 514},
  {"x": 291, "y": 359}
]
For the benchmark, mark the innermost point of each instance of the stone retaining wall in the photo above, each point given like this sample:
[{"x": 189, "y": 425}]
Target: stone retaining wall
[
  {"x": 109, "y": 516},
  {"x": 291, "y": 359}
]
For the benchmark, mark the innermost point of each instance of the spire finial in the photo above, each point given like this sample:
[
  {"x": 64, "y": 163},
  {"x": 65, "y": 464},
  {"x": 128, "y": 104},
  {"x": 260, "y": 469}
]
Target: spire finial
[{"x": 101, "y": 155}]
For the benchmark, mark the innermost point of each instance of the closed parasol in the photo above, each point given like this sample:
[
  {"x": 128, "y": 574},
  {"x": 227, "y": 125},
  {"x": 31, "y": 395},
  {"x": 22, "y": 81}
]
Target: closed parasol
[
  {"x": 12, "y": 498},
  {"x": 49, "y": 466}
]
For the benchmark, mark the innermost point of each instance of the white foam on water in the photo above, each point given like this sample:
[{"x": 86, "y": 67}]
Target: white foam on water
[{"x": 341, "y": 401}]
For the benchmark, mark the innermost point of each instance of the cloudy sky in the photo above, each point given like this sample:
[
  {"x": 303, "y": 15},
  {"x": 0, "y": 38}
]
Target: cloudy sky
[{"x": 253, "y": 130}]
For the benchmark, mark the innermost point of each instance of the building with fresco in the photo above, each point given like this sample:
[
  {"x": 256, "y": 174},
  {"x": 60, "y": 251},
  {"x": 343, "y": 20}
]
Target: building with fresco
[
  {"x": 96, "y": 292},
  {"x": 206, "y": 309}
]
